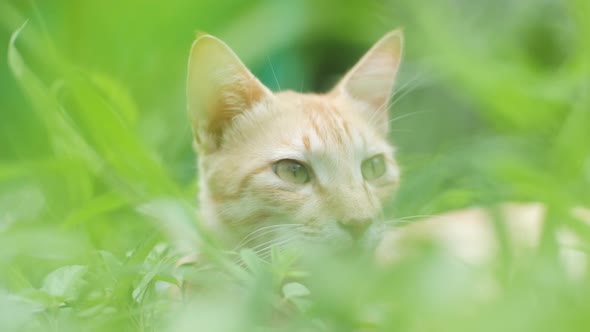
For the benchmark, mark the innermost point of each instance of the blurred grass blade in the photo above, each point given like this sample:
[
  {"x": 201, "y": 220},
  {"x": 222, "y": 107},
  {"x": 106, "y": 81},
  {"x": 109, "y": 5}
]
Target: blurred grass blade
[{"x": 90, "y": 129}]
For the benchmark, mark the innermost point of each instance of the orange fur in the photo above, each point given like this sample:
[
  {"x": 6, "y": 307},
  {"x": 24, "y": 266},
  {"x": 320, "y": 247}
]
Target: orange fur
[{"x": 241, "y": 129}]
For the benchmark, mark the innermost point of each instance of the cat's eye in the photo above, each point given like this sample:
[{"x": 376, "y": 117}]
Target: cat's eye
[
  {"x": 291, "y": 170},
  {"x": 373, "y": 168}
]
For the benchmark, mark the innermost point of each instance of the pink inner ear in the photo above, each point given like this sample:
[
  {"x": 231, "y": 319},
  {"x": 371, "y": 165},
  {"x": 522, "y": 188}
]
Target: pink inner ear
[
  {"x": 372, "y": 79},
  {"x": 219, "y": 88}
]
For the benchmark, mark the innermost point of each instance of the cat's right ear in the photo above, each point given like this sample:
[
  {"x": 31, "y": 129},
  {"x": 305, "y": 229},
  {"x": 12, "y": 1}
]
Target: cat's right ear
[
  {"x": 371, "y": 80},
  {"x": 219, "y": 87}
]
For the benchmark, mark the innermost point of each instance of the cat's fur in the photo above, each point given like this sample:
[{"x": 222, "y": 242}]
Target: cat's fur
[
  {"x": 471, "y": 236},
  {"x": 241, "y": 129}
]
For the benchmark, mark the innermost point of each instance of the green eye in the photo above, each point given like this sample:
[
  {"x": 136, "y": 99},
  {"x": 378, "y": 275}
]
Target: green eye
[
  {"x": 373, "y": 167},
  {"x": 291, "y": 170}
]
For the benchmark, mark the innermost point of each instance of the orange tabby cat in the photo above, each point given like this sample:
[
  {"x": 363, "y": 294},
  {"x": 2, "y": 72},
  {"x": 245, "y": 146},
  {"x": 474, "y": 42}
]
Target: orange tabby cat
[
  {"x": 283, "y": 166},
  {"x": 280, "y": 167}
]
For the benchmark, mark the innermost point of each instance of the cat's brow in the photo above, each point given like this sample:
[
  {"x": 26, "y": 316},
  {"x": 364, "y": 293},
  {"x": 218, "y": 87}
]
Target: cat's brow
[{"x": 329, "y": 125}]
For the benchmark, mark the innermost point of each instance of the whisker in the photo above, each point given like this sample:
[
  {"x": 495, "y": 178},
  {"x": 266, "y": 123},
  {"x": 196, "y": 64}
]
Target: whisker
[
  {"x": 376, "y": 112},
  {"x": 412, "y": 82},
  {"x": 273, "y": 73},
  {"x": 373, "y": 117},
  {"x": 259, "y": 232},
  {"x": 331, "y": 237},
  {"x": 405, "y": 89},
  {"x": 401, "y": 131},
  {"x": 416, "y": 216},
  {"x": 271, "y": 242},
  {"x": 302, "y": 81},
  {"x": 406, "y": 115},
  {"x": 266, "y": 246},
  {"x": 410, "y": 219},
  {"x": 266, "y": 250}
]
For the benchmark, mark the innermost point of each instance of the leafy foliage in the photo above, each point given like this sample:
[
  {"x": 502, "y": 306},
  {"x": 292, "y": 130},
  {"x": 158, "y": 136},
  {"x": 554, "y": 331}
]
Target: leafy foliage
[{"x": 97, "y": 176}]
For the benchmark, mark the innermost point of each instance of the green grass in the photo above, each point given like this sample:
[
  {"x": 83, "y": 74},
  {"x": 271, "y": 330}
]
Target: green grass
[{"x": 97, "y": 175}]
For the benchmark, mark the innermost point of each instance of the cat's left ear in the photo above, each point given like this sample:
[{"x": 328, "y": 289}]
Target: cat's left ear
[
  {"x": 219, "y": 88},
  {"x": 371, "y": 80}
]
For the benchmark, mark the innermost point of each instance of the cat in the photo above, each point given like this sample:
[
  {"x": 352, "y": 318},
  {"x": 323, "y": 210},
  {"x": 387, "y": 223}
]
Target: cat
[{"x": 275, "y": 167}]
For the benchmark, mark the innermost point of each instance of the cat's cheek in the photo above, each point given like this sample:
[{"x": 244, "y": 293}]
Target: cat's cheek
[
  {"x": 311, "y": 213},
  {"x": 272, "y": 194}
]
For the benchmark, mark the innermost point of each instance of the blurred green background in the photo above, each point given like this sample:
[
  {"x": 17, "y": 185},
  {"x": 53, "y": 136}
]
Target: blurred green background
[{"x": 492, "y": 105}]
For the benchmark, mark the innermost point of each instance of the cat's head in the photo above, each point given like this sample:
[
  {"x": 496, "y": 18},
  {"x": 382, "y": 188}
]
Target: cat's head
[{"x": 278, "y": 166}]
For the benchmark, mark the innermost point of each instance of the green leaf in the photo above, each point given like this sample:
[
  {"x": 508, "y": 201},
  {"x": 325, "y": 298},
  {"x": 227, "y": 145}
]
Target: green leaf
[
  {"x": 295, "y": 289},
  {"x": 17, "y": 204},
  {"x": 17, "y": 312},
  {"x": 65, "y": 282},
  {"x": 110, "y": 260},
  {"x": 297, "y": 294},
  {"x": 118, "y": 96},
  {"x": 254, "y": 263},
  {"x": 42, "y": 298},
  {"x": 98, "y": 205}
]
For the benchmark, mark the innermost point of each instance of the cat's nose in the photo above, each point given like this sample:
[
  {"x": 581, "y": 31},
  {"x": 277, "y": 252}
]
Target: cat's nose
[{"x": 355, "y": 227}]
